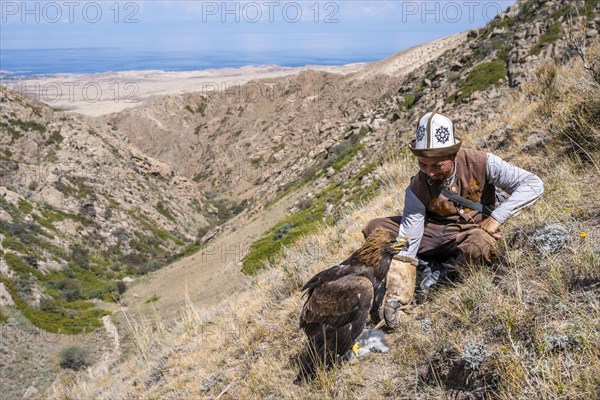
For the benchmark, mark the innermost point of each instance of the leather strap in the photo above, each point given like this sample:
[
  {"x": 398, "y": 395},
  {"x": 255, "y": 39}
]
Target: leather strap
[{"x": 461, "y": 200}]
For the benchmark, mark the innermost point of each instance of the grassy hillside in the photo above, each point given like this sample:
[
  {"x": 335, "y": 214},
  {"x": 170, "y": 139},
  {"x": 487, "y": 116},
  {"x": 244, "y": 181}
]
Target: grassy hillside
[{"x": 524, "y": 328}]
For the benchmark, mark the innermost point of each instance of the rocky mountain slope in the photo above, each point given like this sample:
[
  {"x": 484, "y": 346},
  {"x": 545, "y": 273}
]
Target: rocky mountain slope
[
  {"x": 238, "y": 141},
  {"x": 525, "y": 327},
  {"x": 254, "y": 142},
  {"x": 331, "y": 131},
  {"x": 316, "y": 138},
  {"x": 82, "y": 214}
]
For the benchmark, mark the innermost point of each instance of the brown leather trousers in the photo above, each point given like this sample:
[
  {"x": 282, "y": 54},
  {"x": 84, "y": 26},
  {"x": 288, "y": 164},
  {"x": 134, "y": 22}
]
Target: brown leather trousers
[{"x": 441, "y": 242}]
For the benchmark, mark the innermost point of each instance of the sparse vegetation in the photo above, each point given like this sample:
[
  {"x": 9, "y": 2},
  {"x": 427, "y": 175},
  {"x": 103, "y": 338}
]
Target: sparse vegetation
[
  {"x": 25, "y": 206},
  {"x": 590, "y": 8},
  {"x": 256, "y": 162},
  {"x": 55, "y": 138},
  {"x": 162, "y": 209},
  {"x": 153, "y": 299},
  {"x": 74, "y": 358},
  {"x": 481, "y": 77},
  {"x": 189, "y": 249},
  {"x": 341, "y": 155},
  {"x": 551, "y": 35},
  {"x": 89, "y": 275},
  {"x": 73, "y": 187},
  {"x": 412, "y": 99},
  {"x": 500, "y": 23},
  {"x": 201, "y": 109},
  {"x": 54, "y": 318},
  {"x": 313, "y": 215},
  {"x": 524, "y": 327},
  {"x": 27, "y": 125}
]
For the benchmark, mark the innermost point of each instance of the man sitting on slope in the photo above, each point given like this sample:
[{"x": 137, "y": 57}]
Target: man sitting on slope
[{"x": 450, "y": 210}]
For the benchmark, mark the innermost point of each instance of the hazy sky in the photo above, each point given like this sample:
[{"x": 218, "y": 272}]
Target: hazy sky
[{"x": 288, "y": 27}]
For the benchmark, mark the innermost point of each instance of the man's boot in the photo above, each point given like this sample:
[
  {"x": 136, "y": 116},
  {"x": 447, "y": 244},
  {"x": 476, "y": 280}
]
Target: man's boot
[{"x": 399, "y": 289}]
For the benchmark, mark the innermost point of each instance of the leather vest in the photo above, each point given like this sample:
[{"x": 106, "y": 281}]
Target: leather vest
[{"x": 470, "y": 182}]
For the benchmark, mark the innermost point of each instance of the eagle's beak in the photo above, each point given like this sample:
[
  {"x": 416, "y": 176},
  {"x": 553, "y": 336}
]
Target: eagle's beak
[{"x": 401, "y": 243}]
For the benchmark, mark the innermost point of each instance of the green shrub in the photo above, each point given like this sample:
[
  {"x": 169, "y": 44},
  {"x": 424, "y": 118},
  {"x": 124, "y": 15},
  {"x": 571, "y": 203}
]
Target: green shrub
[
  {"x": 152, "y": 299},
  {"x": 17, "y": 265},
  {"x": 411, "y": 100},
  {"x": 44, "y": 222},
  {"x": 55, "y": 138},
  {"x": 3, "y": 317},
  {"x": 27, "y": 125},
  {"x": 70, "y": 289},
  {"x": 74, "y": 188},
  {"x": 201, "y": 109},
  {"x": 345, "y": 157},
  {"x": 590, "y": 8},
  {"x": 501, "y": 23},
  {"x": 64, "y": 188},
  {"x": 552, "y": 34},
  {"x": 52, "y": 317},
  {"x": 80, "y": 255},
  {"x": 15, "y": 244},
  {"x": 25, "y": 206},
  {"x": 189, "y": 249},
  {"x": 290, "y": 229},
  {"x": 164, "y": 211},
  {"x": 78, "y": 305},
  {"x": 482, "y": 77},
  {"x": 527, "y": 11},
  {"x": 256, "y": 162},
  {"x": 74, "y": 358}
]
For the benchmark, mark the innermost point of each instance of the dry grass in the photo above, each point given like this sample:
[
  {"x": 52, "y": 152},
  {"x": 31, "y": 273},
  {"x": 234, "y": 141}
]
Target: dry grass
[{"x": 526, "y": 328}]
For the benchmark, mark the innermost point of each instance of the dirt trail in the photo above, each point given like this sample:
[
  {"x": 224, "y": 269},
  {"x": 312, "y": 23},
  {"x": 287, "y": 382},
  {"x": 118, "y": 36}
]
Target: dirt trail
[{"x": 111, "y": 329}]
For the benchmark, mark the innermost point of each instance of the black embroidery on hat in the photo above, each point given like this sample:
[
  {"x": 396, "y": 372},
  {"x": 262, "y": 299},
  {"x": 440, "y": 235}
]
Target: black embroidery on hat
[
  {"x": 420, "y": 133},
  {"x": 442, "y": 134}
]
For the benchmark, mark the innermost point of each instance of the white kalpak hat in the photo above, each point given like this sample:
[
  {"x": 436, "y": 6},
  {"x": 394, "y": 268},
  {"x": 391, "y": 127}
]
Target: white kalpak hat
[{"x": 435, "y": 137}]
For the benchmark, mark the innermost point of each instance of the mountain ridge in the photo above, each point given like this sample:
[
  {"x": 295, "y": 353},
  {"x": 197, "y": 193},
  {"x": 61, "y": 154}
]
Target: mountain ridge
[{"x": 347, "y": 160}]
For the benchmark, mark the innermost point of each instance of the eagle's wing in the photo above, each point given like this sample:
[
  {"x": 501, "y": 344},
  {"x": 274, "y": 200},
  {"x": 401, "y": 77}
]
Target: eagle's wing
[
  {"x": 332, "y": 273},
  {"x": 338, "y": 309}
]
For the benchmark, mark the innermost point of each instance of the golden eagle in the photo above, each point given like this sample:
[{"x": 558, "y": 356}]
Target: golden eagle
[{"x": 340, "y": 298}]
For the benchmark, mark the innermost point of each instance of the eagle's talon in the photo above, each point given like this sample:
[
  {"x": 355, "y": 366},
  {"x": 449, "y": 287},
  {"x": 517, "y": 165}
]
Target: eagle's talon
[{"x": 356, "y": 348}]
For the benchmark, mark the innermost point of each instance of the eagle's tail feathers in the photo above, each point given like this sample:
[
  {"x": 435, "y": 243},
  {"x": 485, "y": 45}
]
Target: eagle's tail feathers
[{"x": 324, "y": 351}]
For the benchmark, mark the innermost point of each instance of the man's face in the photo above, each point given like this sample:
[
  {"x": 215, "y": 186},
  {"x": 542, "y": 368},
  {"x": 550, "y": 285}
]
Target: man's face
[{"x": 437, "y": 168}]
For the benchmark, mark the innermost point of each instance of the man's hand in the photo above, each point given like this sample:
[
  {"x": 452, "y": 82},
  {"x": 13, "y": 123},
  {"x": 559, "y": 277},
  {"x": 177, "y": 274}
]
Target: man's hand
[{"x": 491, "y": 226}]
